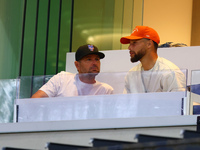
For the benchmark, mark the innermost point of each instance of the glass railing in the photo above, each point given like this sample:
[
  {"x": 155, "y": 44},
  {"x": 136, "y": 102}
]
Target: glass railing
[
  {"x": 194, "y": 89},
  {"x": 8, "y": 93},
  {"x": 157, "y": 93},
  {"x": 30, "y": 84},
  {"x": 101, "y": 107}
]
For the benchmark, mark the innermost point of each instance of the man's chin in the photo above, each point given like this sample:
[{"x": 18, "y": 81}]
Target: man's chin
[
  {"x": 133, "y": 60},
  {"x": 94, "y": 73}
]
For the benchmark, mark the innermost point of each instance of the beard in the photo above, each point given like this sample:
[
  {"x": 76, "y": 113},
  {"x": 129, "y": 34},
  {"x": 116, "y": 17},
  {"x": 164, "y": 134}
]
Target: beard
[
  {"x": 93, "y": 71},
  {"x": 137, "y": 56},
  {"x": 88, "y": 76}
]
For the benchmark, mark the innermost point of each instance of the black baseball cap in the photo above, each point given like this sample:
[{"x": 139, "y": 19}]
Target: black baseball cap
[{"x": 87, "y": 50}]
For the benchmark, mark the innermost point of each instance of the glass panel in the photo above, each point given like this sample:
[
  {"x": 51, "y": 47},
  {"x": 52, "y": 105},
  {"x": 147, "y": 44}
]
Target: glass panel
[
  {"x": 30, "y": 84},
  {"x": 167, "y": 92},
  {"x": 121, "y": 82},
  {"x": 8, "y": 92},
  {"x": 92, "y": 23},
  {"x": 41, "y": 38},
  {"x": 53, "y": 37},
  {"x": 195, "y": 92},
  {"x": 103, "y": 22},
  {"x": 53, "y": 32},
  {"x": 65, "y": 34},
  {"x": 11, "y": 14},
  {"x": 100, "y": 107},
  {"x": 100, "y": 20},
  {"x": 49, "y": 52},
  {"x": 29, "y": 38}
]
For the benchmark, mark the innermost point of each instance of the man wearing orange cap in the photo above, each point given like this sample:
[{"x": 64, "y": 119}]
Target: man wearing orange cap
[{"x": 153, "y": 73}]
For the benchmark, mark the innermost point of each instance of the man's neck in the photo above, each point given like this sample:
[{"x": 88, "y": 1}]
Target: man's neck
[
  {"x": 87, "y": 78},
  {"x": 149, "y": 62}
]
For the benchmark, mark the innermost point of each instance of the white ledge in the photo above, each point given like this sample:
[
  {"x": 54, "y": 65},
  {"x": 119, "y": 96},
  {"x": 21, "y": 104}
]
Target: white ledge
[{"x": 117, "y": 123}]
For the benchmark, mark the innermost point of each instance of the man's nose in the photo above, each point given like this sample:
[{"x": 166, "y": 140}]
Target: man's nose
[
  {"x": 94, "y": 62},
  {"x": 129, "y": 47}
]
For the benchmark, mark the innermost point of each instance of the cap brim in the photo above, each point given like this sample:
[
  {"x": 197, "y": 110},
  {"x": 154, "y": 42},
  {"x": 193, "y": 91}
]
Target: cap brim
[
  {"x": 126, "y": 39},
  {"x": 101, "y": 55}
]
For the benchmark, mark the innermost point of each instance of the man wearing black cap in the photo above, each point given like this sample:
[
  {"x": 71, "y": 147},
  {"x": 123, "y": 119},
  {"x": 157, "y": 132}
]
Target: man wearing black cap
[{"x": 67, "y": 84}]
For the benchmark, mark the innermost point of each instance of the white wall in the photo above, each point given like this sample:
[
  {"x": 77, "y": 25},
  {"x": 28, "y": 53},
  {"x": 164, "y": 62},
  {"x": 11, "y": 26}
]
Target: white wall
[
  {"x": 172, "y": 19},
  {"x": 119, "y": 60}
]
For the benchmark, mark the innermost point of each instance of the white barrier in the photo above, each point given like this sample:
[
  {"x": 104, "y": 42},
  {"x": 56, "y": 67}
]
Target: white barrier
[
  {"x": 119, "y": 60},
  {"x": 100, "y": 107}
]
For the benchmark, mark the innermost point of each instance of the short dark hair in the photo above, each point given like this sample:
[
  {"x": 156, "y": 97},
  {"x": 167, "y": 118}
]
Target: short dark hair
[{"x": 155, "y": 44}]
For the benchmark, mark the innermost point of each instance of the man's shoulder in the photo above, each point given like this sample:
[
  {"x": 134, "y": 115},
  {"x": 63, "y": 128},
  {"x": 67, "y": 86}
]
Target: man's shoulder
[
  {"x": 166, "y": 64},
  {"x": 65, "y": 73},
  {"x": 105, "y": 85},
  {"x": 136, "y": 68}
]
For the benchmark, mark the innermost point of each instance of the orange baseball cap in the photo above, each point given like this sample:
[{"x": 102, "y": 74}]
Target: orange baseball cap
[{"x": 141, "y": 32}]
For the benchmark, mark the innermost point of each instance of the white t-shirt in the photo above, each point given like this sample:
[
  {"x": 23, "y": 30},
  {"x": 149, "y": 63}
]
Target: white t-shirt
[
  {"x": 68, "y": 84},
  {"x": 163, "y": 77}
]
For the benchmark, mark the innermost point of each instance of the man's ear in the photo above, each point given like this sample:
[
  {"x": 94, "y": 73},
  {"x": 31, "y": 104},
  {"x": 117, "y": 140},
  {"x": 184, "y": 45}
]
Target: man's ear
[
  {"x": 76, "y": 63},
  {"x": 150, "y": 43}
]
